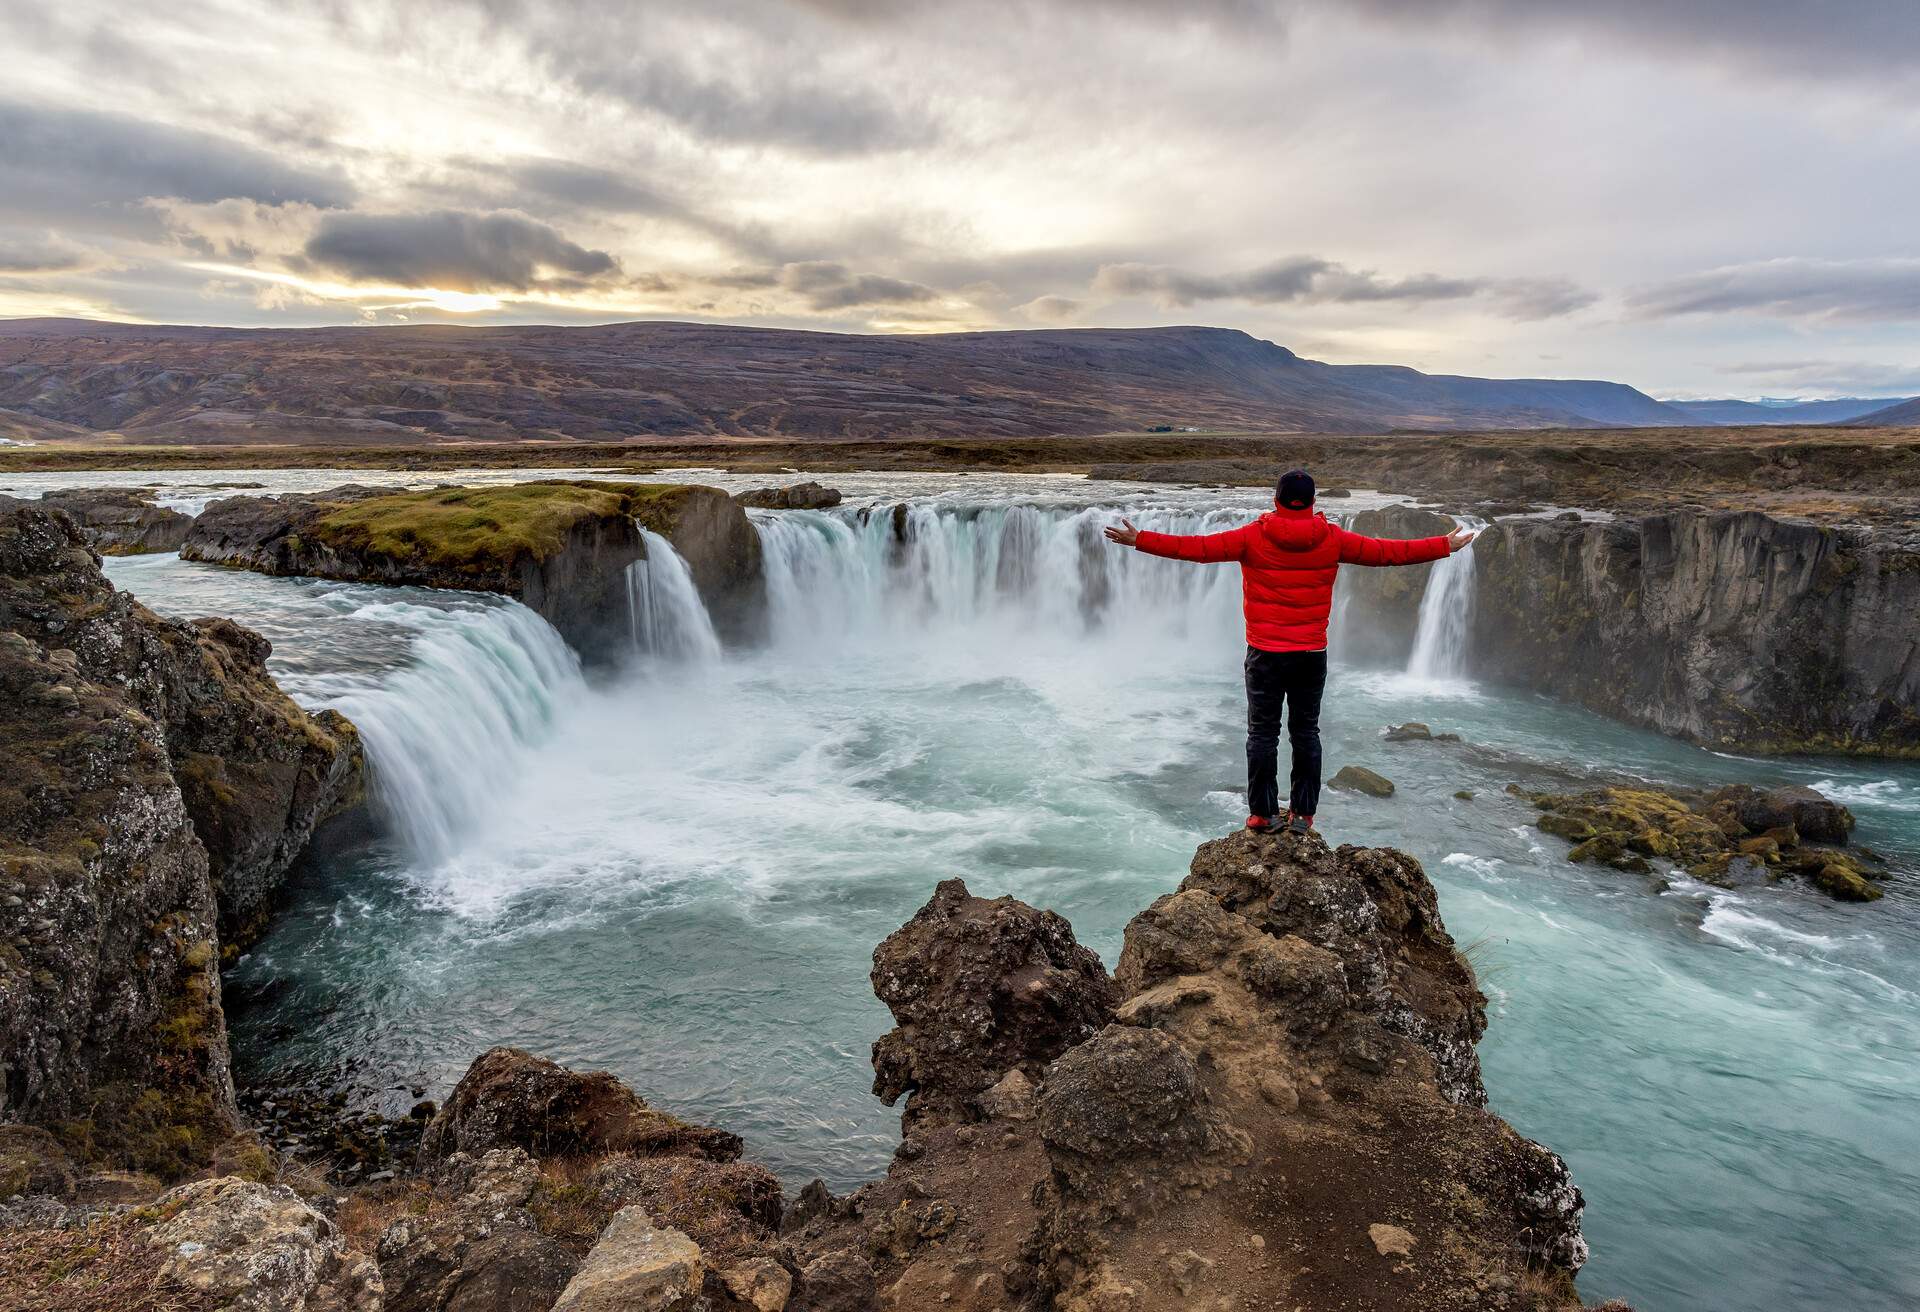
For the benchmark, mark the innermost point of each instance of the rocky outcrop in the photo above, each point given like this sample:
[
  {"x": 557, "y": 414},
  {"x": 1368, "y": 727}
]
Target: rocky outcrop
[
  {"x": 1380, "y": 608},
  {"x": 1285, "y": 1110},
  {"x": 122, "y": 521},
  {"x": 259, "y": 1248},
  {"x": 801, "y": 496},
  {"x": 1359, "y": 779},
  {"x": 1735, "y": 630},
  {"x": 158, "y": 786},
  {"x": 472, "y": 1239},
  {"x": 562, "y": 548},
  {"x": 1728, "y": 836},
  {"x": 979, "y": 988},
  {"x": 510, "y": 1098}
]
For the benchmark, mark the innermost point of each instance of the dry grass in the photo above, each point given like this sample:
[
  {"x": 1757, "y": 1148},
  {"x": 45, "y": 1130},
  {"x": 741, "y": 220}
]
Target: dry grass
[
  {"x": 107, "y": 1267},
  {"x": 367, "y": 1212}
]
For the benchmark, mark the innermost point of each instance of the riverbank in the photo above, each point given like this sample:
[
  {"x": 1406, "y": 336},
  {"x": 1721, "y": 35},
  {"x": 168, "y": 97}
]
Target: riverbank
[{"x": 1859, "y": 473}]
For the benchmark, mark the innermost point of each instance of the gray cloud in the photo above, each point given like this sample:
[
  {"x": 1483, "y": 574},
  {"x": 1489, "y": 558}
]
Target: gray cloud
[
  {"x": 62, "y": 163},
  {"x": 1865, "y": 291},
  {"x": 46, "y": 252},
  {"x": 1310, "y": 279},
  {"x": 454, "y": 250},
  {"x": 829, "y": 285},
  {"x": 1835, "y": 38},
  {"x": 1837, "y": 377},
  {"x": 1050, "y": 309}
]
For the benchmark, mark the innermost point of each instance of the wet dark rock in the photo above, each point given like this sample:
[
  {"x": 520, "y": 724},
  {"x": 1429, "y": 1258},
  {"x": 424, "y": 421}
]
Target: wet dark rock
[
  {"x": 120, "y": 521},
  {"x": 511, "y": 1098},
  {"x": 1411, "y": 731},
  {"x": 1359, "y": 779},
  {"x": 801, "y": 496},
  {"x": 1727, "y": 836},
  {"x": 978, "y": 988}
]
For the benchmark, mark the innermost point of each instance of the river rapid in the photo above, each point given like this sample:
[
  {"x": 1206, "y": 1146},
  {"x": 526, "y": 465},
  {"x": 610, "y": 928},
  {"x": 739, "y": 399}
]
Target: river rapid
[{"x": 678, "y": 872}]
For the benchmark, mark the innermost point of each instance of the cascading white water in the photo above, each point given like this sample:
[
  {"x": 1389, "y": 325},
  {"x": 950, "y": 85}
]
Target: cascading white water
[
  {"x": 1440, "y": 642},
  {"x": 447, "y": 735},
  {"x": 1020, "y": 569},
  {"x": 664, "y": 611}
]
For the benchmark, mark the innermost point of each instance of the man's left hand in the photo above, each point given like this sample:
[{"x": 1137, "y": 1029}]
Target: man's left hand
[
  {"x": 1124, "y": 533},
  {"x": 1455, "y": 540}
]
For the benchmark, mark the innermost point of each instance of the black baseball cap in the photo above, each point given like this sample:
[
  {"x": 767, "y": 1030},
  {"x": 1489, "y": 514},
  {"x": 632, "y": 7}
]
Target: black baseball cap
[{"x": 1296, "y": 489}]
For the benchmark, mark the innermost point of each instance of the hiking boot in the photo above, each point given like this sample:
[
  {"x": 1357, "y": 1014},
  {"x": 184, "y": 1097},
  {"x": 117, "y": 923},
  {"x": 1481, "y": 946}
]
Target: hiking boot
[
  {"x": 1263, "y": 824},
  {"x": 1299, "y": 824}
]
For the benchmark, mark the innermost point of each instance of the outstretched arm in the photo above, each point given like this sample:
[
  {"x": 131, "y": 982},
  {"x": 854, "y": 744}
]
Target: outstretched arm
[
  {"x": 1357, "y": 549},
  {"x": 1203, "y": 548}
]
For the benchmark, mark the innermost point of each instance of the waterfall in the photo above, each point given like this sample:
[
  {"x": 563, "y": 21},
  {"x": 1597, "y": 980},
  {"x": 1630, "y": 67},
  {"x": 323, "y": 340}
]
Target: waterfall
[
  {"x": 665, "y": 615},
  {"x": 448, "y": 734},
  {"x": 1440, "y": 642},
  {"x": 1011, "y": 571}
]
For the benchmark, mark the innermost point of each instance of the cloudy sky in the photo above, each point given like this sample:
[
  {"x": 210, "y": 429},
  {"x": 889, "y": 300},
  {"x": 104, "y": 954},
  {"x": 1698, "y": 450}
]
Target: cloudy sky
[{"x": 1699, "y": 197}]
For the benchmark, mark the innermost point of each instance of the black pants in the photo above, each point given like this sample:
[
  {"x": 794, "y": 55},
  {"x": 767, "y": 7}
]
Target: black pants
[{"x": 1294, "y": 680}]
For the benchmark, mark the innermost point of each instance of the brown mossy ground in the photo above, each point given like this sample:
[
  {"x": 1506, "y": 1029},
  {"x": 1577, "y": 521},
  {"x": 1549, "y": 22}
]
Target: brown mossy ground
[
  {"x": 1628, "y": 828},
  {"x": 104, "y": 1267},
  {"x": 483, "y": 530}
]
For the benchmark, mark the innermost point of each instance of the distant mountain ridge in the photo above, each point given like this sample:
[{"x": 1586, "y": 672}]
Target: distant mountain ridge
[
  {"x": 635, "y": 380},
  {"x": 1900, "y": 415},
  {"x": 1837, "y": 411}
]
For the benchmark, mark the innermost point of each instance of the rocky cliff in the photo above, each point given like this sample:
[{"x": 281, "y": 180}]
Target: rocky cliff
[
  {"x": 562, "y": 548},
  {"x": 1273, "y": 1102},
  {"x": 158, "y": 786},
  {"x": 122, "y": 521},
  {"x": 1735, "y": 630}
]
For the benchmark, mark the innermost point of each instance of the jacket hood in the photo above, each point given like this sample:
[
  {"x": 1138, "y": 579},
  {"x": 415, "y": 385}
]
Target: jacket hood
[{"x": 1295, "y": 530}]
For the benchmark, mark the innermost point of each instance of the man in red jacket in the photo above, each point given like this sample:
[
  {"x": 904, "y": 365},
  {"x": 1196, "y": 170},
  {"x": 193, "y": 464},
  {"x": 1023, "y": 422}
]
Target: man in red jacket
[{"x": 1288, "y": 559}]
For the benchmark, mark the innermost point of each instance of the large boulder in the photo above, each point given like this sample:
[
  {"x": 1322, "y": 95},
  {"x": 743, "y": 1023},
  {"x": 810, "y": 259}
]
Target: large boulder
[
  {"x": 978, "y": 988},
  {"x": 122, "y": 521},
  {"x": 259, "y": 1248},
  {"x": 1283, "y": 1110},
  {"x": 638, "y": 1267},
  {"x": 1810, "y": 813},
  {"x": 511, "y": 1098},
  {"x": 801, "y": 496}
]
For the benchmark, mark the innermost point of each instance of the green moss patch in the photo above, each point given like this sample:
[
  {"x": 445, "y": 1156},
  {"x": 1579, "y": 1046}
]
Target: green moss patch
[{"x": 486, "y": 530}]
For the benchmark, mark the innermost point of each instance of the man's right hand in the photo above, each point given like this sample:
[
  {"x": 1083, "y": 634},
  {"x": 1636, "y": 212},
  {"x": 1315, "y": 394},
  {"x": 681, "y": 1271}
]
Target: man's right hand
[
  {"x": 1455, "y": 540},
  {"x": 1124, "y": 533}
]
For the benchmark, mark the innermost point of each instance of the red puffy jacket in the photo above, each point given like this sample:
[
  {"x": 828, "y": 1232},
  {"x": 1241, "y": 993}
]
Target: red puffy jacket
[{"x": 1288, "y": 559}]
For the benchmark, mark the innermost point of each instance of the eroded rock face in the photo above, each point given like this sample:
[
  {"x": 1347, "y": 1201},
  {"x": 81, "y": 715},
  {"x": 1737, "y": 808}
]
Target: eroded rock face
[
  {"x": 1285, "y": 1110},
  {"x": 575, "y": 576},
  {"x": 122, "y": 521},
  {"x": 978, "y": 988},
  {"x": 510, "y": 1098},
  {"x": 1735, "y": 630},
  {"x": 159, "y": 785},
  {"x": 259, "y": 1248}
]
